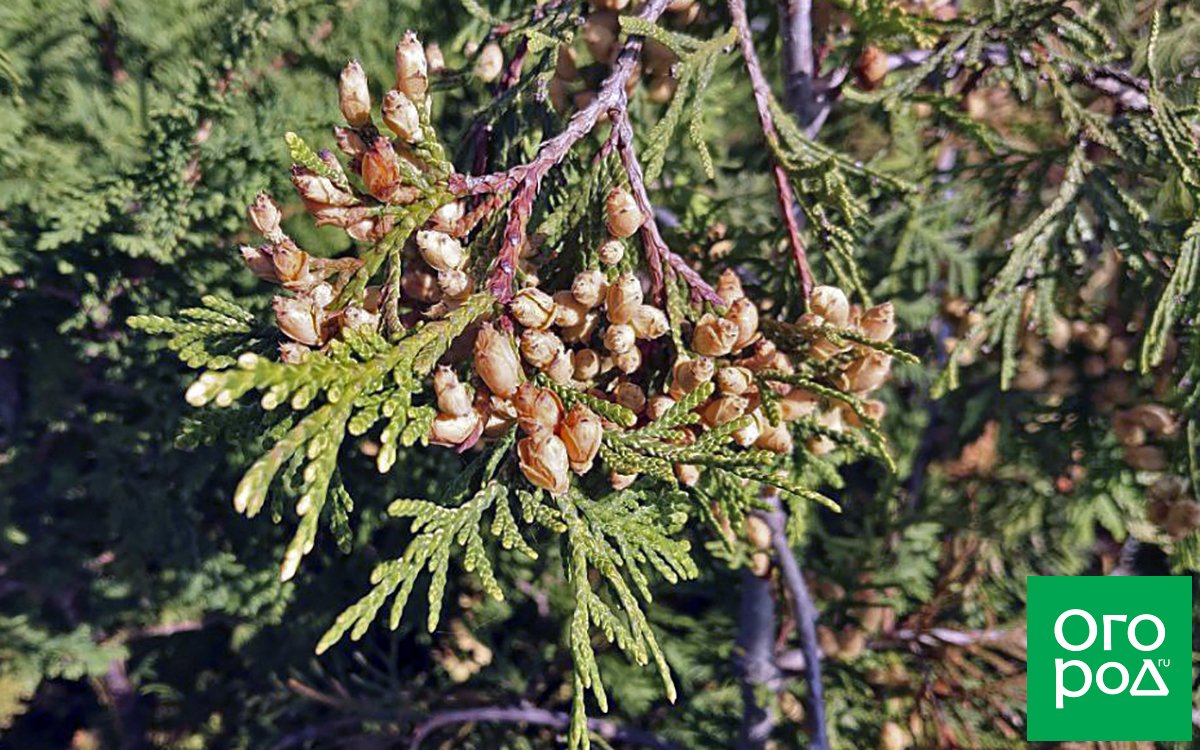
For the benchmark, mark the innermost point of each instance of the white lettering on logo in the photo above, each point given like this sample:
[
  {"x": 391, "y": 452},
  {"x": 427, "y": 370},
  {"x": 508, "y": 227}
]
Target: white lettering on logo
[
  {"x": 1062, "y": 640},
  {"x": 1108, "y": 621},
  {"x": 1060, "y": 668},
  {"x": 1158, "y": 625},
  {"x": 1148, "y": 667},
  {"x": 1121, "y": 670}
]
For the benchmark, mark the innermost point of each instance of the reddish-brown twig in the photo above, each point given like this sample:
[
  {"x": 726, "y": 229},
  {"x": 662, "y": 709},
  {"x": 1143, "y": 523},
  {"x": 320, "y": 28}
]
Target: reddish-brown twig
[
  {"x": 658, "y": 255},
  {"x": 525, "y": 179},
  {"x": 783, "y": 187}
]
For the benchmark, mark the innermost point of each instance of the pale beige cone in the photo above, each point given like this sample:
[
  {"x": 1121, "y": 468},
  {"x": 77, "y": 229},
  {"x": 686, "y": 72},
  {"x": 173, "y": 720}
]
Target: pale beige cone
[{"x": 544, "y": 461}]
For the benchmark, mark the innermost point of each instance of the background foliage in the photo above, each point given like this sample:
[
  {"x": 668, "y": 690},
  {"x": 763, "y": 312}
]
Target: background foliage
[{"x": 136, "y": 610}]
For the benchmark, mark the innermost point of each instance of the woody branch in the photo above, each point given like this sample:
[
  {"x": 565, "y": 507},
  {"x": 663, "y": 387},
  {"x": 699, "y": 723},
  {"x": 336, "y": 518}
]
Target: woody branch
[
  {"x": 525, "y": 179},
  {"x": 783, "y": 187}
]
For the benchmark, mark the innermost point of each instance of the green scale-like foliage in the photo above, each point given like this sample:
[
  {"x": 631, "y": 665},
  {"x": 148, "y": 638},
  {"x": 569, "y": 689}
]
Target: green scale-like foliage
[{"x": 359, "y": 381}]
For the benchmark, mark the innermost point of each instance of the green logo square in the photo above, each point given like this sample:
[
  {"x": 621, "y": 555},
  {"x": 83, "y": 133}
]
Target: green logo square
[{"x": 1110, "y": 658}]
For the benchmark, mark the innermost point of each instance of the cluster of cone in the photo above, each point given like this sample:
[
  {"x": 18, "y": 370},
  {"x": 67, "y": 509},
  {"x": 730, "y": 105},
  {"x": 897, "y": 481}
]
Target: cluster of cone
[
  {"x": 577, "y": 337},
  {"x": 854, "y": 368},
  {"x": 1142, "y": 431},
  {"x": 576, "y": 77},
  {"x": 1172, "y": 507},
  {"x": 593, "y": 336},
  {"x": 304, "y": 316},
  {"x": 386, "y": 161}
]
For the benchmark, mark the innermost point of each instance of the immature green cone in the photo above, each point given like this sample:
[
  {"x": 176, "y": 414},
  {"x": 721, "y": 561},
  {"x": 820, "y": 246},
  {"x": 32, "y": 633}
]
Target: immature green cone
[{"x": 354, "y": 96}]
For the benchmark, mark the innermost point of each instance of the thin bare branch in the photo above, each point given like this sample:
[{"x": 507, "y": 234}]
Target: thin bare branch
[
  {"x": 658, "y": 254},
  {"x": 755, "y": 660},
  {"x": 762, "y": 101},
  {"x": 805, "y": 613},
  {"x": 801, "y": 90}
]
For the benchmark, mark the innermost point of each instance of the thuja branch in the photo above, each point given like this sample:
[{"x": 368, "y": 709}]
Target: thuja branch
[
  {"x": 762, "y": 101},
  {"x": 1129, "y": 90},
  {"x": 574, "y": 435},
  {"x": 657, "y": 251},
  {"x": 526, "y": 179}
]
